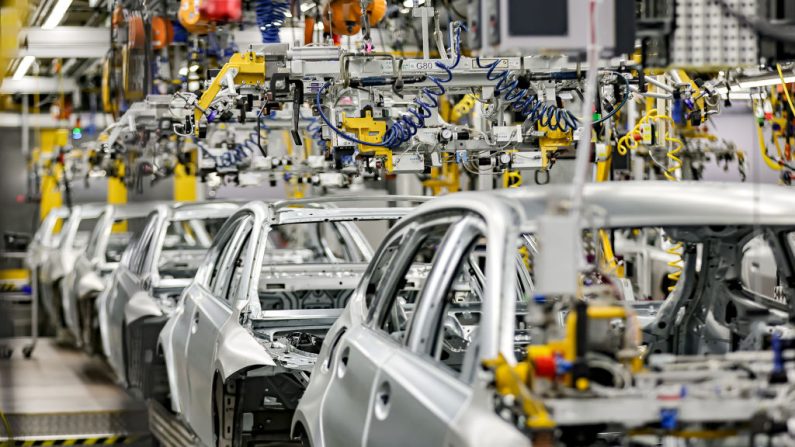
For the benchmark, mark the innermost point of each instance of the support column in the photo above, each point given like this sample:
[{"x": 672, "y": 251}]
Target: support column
[{"x": 185, "y": 181}]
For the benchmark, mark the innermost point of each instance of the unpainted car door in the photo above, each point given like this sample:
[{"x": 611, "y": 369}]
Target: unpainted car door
[
  {"x": 412, "y": 388},
  {"x": 347, "y": 407},
  {"x": 128, "y": 280},
  {"x": 181, "y": 323},
  {"x": 209, "y": 309}
]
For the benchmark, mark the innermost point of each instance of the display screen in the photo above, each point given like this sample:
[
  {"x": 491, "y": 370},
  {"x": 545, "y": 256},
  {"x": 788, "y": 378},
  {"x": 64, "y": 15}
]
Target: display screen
[{"x": 538, "y": 17}]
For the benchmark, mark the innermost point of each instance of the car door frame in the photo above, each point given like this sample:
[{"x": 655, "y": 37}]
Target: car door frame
[
  {"x": 397, "y": 377},
  {"x": 203, "y": 302},
  {"x": 128, "y": 280},
  {"x": 413, "y": 233}
]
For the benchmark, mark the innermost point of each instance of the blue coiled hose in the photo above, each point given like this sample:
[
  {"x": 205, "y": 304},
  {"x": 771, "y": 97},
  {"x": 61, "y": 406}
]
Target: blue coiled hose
[
  {"x": 405, "y": 127},
  {"x": 228, "y": 159},
  {"x": 526, "y": 103},
  {"x": 239, "y": 152},
  {"x": 270, "y": 18},
  {"x": 316, "y": 131}
]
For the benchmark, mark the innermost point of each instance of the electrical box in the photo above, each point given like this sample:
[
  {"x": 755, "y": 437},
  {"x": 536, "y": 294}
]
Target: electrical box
[
  {"x": 559, "y": 25},
  {"x": 408, "y": 162},
  {"x": 527, "y": 160}
]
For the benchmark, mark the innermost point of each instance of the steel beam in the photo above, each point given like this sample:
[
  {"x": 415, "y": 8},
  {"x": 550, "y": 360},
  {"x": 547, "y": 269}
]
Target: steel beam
[
  {"x": 64, "y": 42},
  {"x": 32, "y": 84}
]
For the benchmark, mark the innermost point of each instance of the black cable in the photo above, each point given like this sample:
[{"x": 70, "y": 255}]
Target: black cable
[
  {"x": 148, "y": 54},
  {"x": 761, "y": 26}
]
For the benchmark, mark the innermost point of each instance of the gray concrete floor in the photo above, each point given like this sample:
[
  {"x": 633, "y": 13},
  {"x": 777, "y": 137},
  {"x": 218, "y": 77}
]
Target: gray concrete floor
[{"x": 62, "y": 392}]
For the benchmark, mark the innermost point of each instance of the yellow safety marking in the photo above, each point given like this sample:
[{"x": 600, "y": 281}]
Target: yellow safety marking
[{"x": 14, "y": 274}]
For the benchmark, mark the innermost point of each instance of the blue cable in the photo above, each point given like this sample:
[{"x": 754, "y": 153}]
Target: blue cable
[
  {"x": 526, "y": 103},
  {"x": 238, "y": 153},
  {"x": 405, "y": 127},
  {"x": 316, "y": 131},
  {"x": 270, "y": 18}
]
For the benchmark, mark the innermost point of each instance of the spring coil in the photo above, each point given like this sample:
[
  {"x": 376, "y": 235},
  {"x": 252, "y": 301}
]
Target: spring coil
[
  {"x": 231, "y": 158},
  {"x": 527, "y": 104},
  {"x": 678, "y": 250},
  {"x": 270, "y": 18},
  {"x": 405, "y": 127},
  {"x": 239, "y": 152},
  {"x": 630, "y": 141},
  {"x": 316, "y": 131}
]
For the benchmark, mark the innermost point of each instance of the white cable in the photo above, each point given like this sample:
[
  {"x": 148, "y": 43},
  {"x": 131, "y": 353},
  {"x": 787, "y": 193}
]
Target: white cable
[{"x": 584, "y": 146}]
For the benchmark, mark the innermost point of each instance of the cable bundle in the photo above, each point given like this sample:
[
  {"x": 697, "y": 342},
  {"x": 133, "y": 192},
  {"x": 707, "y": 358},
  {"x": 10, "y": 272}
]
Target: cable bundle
[
  {"x": 526, "y": 103},
  {"x": 405, "y": 127},
  {"x": 270, "y": 18}
]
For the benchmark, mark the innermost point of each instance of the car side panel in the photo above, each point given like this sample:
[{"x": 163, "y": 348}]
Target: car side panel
[
  {"x": 174, "y": 342},
  {"x": 347, "y": 405},
  {"x": 208, "y": 317},
  {"x": 126, "y": 285}
]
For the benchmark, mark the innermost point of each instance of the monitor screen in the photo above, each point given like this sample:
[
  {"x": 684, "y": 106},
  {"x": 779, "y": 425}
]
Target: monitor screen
[{"x": 538, "y": 18}]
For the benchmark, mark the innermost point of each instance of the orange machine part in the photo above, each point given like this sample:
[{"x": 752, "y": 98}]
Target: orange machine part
[
  {"x": 190, "y": 17},
  {"x": 162, "y": 32},
  {"x": 135, "y": 32},
  {"x": 309, "y": 30},
  {"x": 346, "y": 15},
  {"x": 117, "y": 18}
]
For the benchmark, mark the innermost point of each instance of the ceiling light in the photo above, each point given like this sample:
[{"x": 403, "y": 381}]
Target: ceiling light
[
  {"x": 57, "y": 13},
  {"x": 307, "y": 6},
  {"x": 24, "y": 66},
  {"x": 764, "y": 81}
]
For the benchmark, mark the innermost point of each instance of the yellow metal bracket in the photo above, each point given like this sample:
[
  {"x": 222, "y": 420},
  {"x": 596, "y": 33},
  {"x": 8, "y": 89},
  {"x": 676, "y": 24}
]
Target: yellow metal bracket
[
  {"x": 372, "y": 131},
  {"x": 552, "y": 141},
  {"x": 244, "y": 68}
]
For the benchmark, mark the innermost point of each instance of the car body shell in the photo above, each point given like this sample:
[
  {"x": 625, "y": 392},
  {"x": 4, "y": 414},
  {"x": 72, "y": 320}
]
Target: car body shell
[
  {"x": 136, "y": 291},
  {"x": 359, "y": 367},
  {"x": 208, "y": 340},
  {"x": 92, "y": 271},
  {"x": 61, "y": 261},
  {"x": 46, "y": 240}
]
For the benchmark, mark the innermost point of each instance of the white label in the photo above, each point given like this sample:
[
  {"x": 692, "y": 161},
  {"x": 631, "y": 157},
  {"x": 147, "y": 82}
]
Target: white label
[
  {"x": 504, "y": 63},
  {"x": 412, "y": 65}
]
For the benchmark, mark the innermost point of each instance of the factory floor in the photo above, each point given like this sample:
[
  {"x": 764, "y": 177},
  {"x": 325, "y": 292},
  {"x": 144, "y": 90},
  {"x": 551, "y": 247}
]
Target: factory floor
[{"x": 61, "y": 396}]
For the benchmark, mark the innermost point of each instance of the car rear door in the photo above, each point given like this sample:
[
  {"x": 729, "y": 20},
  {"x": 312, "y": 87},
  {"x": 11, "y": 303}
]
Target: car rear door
[
  {"x": 414, "y": 389},
  {"x": 357, "y": 356},
  {"x": 209, "y": 309},
  {"x": 128, "y": 280}
]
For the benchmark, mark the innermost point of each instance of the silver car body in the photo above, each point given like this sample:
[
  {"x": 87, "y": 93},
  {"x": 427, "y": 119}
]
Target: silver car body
[
  {"x": 94, "y": 266},
  {"x": 368, "y": 388},
  {"x": 46, "y": 239},
  {"x": 140, "y": 289},
  {"x": 219, "y": 339},
  {"x": 61, "y": 261}
]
